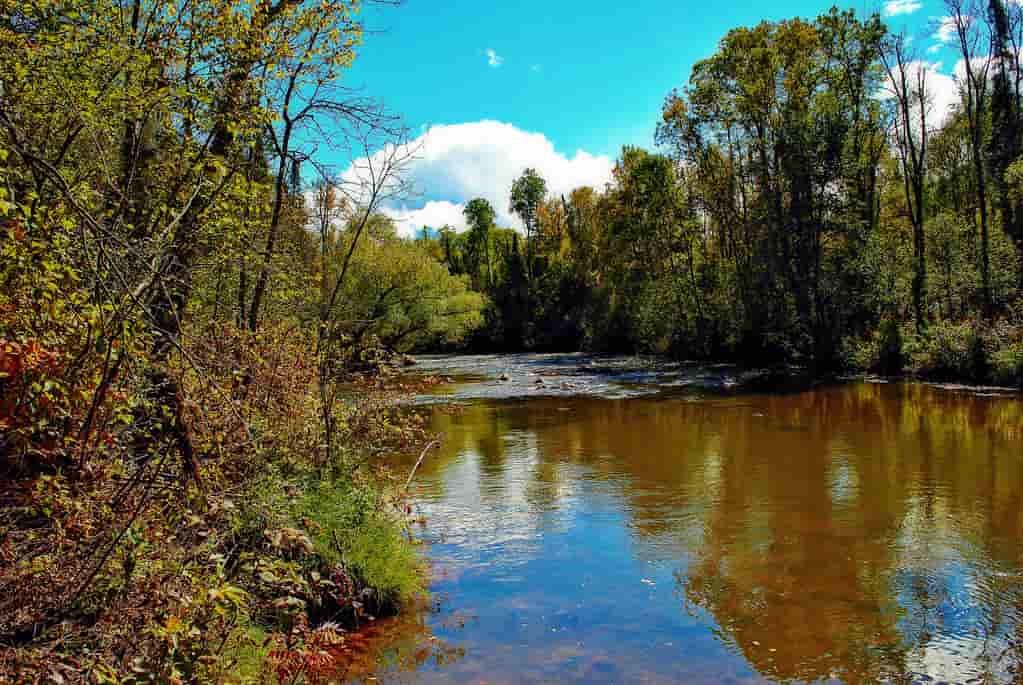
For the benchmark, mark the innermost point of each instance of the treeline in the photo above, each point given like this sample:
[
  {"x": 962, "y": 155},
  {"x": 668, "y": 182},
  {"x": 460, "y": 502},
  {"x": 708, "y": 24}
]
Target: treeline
[
  {"x": 808, "y": 204},
  {"x": 189, "y": 488}
]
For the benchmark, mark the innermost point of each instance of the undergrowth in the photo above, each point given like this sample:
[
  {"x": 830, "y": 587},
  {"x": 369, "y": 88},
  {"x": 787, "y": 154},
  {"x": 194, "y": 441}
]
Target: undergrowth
[{"x": 116, "y": 569}]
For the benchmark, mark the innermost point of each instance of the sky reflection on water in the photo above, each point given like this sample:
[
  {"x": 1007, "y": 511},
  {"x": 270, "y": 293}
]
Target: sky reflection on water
[{"x": 852, "y": 533}]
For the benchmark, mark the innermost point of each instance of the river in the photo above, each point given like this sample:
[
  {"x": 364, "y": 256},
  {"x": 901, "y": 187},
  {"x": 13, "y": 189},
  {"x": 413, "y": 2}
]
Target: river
[{"x": 619, "y": 520}]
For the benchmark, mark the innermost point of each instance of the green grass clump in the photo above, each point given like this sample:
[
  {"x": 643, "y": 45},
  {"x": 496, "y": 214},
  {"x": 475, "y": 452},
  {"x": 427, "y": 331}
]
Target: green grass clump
[{"x": 352, "y": 525}]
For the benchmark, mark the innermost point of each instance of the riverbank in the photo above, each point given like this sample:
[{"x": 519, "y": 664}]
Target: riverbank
[{"x": 266, "y": 563}]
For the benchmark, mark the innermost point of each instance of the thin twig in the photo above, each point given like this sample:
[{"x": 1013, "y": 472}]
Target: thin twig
[{"x": 419, "y": 461}]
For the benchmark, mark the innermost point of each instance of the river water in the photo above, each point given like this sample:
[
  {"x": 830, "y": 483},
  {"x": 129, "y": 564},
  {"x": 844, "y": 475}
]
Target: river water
[{"x": 618, "y": 521}]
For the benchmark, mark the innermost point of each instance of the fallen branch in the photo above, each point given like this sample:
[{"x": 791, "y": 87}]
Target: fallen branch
[{"x": 419, "y": 461}]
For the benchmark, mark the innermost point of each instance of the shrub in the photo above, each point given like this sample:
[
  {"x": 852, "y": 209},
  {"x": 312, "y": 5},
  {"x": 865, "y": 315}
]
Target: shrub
[
  {"x": 882, "y": 351},
  {"x": 1007, "y": 365},
  {"x": 952, "y": 351}
]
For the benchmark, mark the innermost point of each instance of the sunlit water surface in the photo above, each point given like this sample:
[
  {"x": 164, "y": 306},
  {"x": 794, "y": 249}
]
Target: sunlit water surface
[{"x": 616, "y": 531}]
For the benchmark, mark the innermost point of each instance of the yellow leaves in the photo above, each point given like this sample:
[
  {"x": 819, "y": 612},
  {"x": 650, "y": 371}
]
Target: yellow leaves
[{"x": 173, "y": 624}]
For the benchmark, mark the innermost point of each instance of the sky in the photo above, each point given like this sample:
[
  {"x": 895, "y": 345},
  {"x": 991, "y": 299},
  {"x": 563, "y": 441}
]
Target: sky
[{"x": 489, "y": 89}]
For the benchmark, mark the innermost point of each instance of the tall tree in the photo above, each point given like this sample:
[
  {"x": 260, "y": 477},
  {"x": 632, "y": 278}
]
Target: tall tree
[
  {"x": 907, "y": 81},
  {"x": 302, "y": 92},
  {"x": 480, "y": 216},
  {"x": 527, "y": 194},
  {"x": 1006, "y": 140},
  {"x": 975, "y": 48}
]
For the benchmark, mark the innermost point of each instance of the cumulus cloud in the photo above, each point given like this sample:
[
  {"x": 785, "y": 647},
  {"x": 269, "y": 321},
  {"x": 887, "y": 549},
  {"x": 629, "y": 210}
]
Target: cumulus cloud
[
  {"x": 493, "y": 59},
  {"x": 942, "y": 91},
  {"x": 896, "y": 7},
  {"x": 433, "y": 214},
  {"x": 944, "y": 96},
  {"x": 983, "y": 66},
  {"x": 456, "y": 163},
  {"x": 946, "y": 30}
]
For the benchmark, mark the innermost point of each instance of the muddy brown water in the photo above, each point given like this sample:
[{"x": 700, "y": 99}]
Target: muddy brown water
[{"x": 593, "y": 520}]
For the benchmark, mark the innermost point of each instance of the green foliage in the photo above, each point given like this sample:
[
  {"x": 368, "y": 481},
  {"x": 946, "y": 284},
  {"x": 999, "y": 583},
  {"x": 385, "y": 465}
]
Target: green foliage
[
  {"x": 951, "y": 351},
  {"x": 162, "y": 303},
  {"x": 398, "y": 294},
  {"x": 352, "y": 528}
]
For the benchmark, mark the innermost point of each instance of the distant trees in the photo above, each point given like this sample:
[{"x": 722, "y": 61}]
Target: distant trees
[
  {"x": 399, "y": 295},
  {"x": 807, "y": 199}
]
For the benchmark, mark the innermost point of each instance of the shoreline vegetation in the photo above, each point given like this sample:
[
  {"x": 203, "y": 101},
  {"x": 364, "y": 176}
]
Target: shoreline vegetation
[
  {"x": 195, "y": 316},
  {"x": 199, "y": 317},
  {"x": 807, "y": 204}
]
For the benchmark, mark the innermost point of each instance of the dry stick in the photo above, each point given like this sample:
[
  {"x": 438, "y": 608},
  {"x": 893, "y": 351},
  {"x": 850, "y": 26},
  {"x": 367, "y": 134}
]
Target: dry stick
[{"x": 419, "y": 461}]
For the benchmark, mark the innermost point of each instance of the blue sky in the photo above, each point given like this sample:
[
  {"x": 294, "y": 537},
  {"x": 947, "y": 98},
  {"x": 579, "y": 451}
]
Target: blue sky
[{"x": 561, "y": 76}]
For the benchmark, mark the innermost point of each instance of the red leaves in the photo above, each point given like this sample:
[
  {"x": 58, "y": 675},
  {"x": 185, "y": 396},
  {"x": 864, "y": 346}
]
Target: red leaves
[
  {"x": 33, "y": 397},
  {"x": 312, "y": 657},
  {"x": 28, "y": 357}
]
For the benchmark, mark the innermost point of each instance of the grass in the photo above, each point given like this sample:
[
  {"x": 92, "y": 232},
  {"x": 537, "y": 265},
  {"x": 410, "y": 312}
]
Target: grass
[{"x": 372, "y": 540}]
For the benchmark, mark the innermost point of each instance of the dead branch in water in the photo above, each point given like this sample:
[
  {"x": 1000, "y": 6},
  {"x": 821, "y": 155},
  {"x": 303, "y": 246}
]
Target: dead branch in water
[{"x": 419, "y": 461}]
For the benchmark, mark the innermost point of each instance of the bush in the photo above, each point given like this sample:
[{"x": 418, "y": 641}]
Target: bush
[
  {"x": 952, "y": 351},
  {"x": 882, "y": 351},
  {"x": 353, "y": 526},
  {"x": 1007, "y": 365},
  {"x": 1006, "y": 344}
]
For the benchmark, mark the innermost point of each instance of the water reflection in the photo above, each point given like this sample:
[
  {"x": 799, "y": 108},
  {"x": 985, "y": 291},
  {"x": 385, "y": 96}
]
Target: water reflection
[{"x": 859, "y": 533}]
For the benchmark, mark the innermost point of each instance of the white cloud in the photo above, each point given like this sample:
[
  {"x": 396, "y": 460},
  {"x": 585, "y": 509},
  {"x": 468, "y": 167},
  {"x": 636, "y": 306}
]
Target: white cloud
[
  {"x": 934, "y": 49},
  {"x": 944, "y": 95},
  {"x": 494, "y": 59},
  {"x": 894, "y": 8},
  {"x": 942, "y": 92},
  {"x": 946, "y": 29},
  {"x": 456, "y": 163},
  {"x": 434, "y": 214}
]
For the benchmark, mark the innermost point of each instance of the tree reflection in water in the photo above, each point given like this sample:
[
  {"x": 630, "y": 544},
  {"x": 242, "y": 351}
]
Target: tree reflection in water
[{"x": 855, "y": 533}]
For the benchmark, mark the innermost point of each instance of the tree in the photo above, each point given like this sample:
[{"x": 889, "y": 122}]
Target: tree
[
  {"x": 398, "y": 294},
  {"x": 373, "y": 179},
  {"x": 303, "y": 92},
  {"x": 1006, "y": 140},
  {"x": 908, "y": 84},
  {"x": 975, "y": 49},
  {"x": 480, "y": 215},
  {"x": 527, "y": 193}
]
